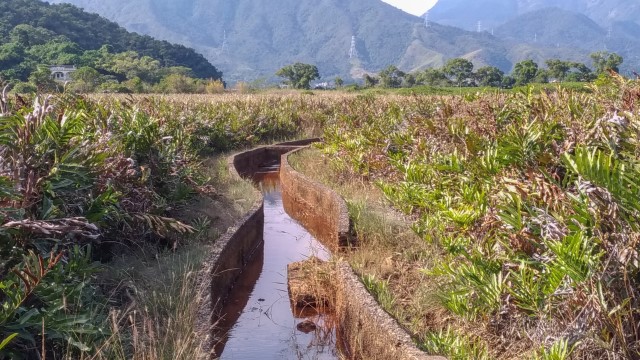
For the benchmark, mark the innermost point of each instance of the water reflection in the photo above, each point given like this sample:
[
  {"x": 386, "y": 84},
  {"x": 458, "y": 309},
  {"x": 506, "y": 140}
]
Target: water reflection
[{"x": 264, "y": 326}]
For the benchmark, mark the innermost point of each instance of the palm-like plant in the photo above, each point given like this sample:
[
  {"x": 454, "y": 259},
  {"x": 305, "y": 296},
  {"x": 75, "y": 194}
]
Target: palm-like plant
[{"x": 530, "y": 201}]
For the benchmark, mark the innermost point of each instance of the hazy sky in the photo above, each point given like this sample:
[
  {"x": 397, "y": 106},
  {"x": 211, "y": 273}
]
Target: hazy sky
[{"x": 415, "y": 7}]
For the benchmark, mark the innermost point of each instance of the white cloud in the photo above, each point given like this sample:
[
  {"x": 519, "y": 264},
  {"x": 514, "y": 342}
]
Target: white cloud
[{"x": 415, "y": 7}]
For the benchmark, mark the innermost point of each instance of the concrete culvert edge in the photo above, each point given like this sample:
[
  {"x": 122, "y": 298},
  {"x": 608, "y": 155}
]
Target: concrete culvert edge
[
  {"x": 369, "y": 331},
  {"x": 366, "y": 330}
]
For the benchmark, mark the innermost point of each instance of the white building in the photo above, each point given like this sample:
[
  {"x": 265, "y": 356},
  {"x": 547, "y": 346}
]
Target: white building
[{"x": 62, "y": 72}]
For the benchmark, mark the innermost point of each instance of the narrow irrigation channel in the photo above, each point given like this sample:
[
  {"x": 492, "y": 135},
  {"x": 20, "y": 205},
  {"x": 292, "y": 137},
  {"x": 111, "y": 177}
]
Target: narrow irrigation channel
[{"x": 260, "y": 322}]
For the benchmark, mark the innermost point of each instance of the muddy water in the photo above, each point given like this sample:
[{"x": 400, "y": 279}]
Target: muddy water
[{"x": 260, "y": 319}]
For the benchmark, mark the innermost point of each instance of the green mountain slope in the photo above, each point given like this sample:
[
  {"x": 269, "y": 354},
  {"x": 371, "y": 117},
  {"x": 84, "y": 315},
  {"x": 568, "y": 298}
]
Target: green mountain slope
[{"x": 66, "y": 23}]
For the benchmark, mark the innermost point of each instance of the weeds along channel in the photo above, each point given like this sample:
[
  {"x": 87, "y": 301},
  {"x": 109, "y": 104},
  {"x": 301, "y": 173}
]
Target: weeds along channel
[
  {"x": 513, "y": 227},
  {"x": 109, "y": 206},
  {"x": 492, "y": 225}
]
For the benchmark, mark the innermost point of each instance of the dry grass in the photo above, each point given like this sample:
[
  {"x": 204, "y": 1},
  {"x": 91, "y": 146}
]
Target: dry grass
[
  {"x": 154, "y": 292},
  {"x": 502, "y": 185},
  {"x": 156, "y": 321},
  {"x": 391, "y": 259},
  {"x": 389, "y": 256},
  {"x": 240, "y": 193}
]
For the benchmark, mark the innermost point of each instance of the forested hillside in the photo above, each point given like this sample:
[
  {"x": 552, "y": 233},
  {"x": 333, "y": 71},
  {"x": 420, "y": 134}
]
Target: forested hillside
[{"x": 34, "y": 33}]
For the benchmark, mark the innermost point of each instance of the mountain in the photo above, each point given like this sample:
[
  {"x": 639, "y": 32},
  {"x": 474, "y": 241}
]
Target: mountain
[
  {"x": 466, "y": 15},
  {"x": 492, "y": 13},
  {"x": 565, "y": 29},
  {"x": 69, "y": 26},
  {"x": 251, "y": 39},
  {"x": 556, "y": 27},
  {"x": 577, "y": 26}
]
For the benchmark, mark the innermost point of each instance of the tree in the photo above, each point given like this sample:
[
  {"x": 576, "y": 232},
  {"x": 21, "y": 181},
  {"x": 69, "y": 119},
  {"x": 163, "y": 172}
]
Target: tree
[
  {"x": 113, "y": 86},
  {"x": 299, "y": 75},
  {"x": 136, "y": 85},
  {"x": 86, "y": 79},
  {"x": 391, "y": 77},
  {"x": 41, "y": 78},
  {"x": 507, "y": 82},
  {"x": 213, "y": 86},
  {"x": 582, "y": 73},
  {"x": 130, "y": 65},
  {"x": 542, "y": 76},
  {"x": 177, "y": 84},
  {"x": 27, "y": 35},
  {"x": 339, "y": 82},
  {"x": 460, "y": 71},
  {"x": 525, "y": 71},
  {"x": 409, "y": 80},
  {"x": 489, "y": 76},
  {"x": 24, "y": 88},
  {"x": 558, "y": 69},
  {"x": 432, "y": 77},
  {"x": 11, "y": 54},
  {"x": 31, "y": 23},
  {"x": 603, "y": 61},
  {"x": 56, "y": 52},
  {"x": 370, "y": 81}
]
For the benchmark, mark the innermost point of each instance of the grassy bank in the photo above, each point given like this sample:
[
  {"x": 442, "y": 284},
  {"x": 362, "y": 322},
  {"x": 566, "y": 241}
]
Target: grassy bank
[
  {"x": 389, "y": 254},
  {"x": 527, "y": 207},
  {"x": 158, "y": 289},
  {"x": 108, "y": 207},
  {"x": 493, "y": 225}
]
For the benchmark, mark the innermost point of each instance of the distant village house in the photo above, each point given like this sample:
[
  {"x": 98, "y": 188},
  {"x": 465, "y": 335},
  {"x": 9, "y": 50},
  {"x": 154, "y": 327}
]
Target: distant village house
[{"x": 62, "y": 72}]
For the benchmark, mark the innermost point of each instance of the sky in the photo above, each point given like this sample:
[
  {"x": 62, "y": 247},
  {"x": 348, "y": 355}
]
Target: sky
[{"x": 415, "y": 7}]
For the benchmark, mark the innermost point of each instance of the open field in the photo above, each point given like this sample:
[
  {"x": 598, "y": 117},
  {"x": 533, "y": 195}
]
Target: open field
[
  {"x": 527, "y": 206},
  {"x": 493, "y": 225},
  {"x": 453, "y": 90}
]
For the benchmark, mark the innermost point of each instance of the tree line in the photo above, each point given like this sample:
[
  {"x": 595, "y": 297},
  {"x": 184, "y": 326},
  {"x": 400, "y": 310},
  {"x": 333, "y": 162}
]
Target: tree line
[{"x": 460, "y": 72}]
